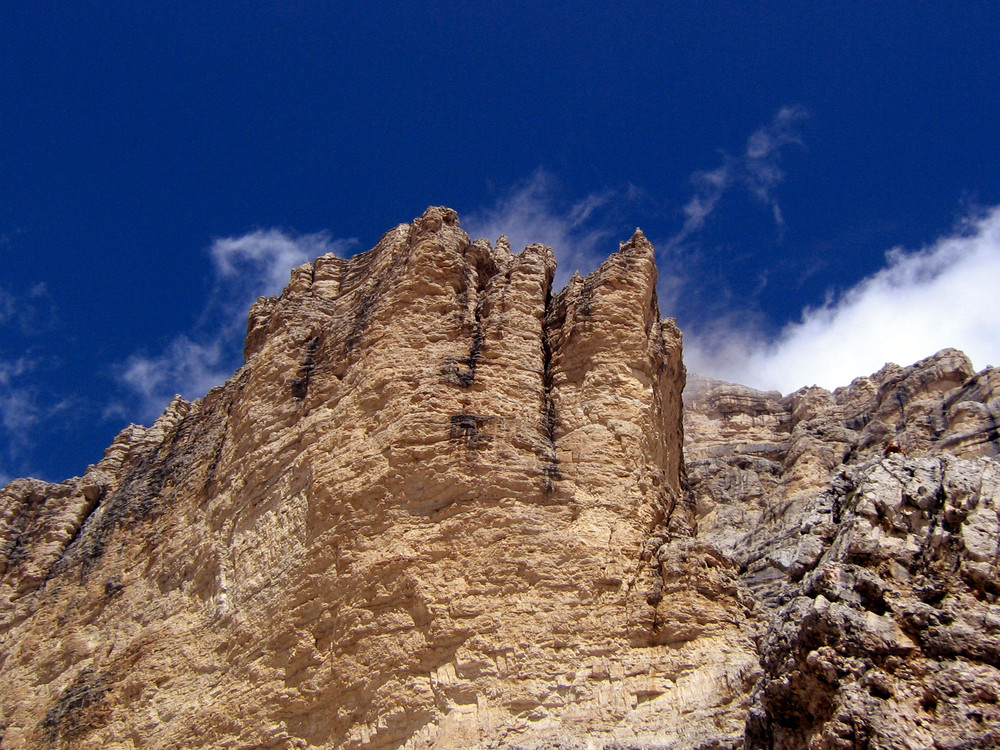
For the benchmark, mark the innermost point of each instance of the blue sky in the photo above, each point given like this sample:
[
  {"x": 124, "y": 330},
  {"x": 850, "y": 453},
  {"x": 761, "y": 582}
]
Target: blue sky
[{"x": 821, "y": 181}]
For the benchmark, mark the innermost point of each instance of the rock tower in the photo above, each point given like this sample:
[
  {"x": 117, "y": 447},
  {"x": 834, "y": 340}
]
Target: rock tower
[{"x": 441, "y": 506}]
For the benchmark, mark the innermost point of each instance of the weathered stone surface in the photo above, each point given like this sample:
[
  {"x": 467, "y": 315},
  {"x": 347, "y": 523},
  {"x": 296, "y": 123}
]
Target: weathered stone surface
[
  {"x": 755, "y": 457},
  {"x": 891, "y": 637},
  {"x": 423, "y": 514},
  {"x": 441, "y": 506},
  {"x": 873, "y": 572}
]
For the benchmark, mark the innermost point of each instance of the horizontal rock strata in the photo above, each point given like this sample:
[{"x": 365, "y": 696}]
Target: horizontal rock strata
[
  {"x": 424, "y": 514},
  {"x": 442, "y": 506}
]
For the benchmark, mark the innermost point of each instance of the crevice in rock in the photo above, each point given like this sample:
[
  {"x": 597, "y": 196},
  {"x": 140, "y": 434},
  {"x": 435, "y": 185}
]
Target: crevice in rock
[
  {"x": 469, "y": 429},
  {"x": 363, "y": 315},
  {"x": 300, "y": 385},
  {"x": 213, "y": 465},
  {"x": 83, "y": 521},
  {"x": 549, "y": 418},
  {"x": 461, "y": 371}
]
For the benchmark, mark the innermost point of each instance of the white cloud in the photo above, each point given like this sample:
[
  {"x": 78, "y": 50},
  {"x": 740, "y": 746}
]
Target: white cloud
[
  {"x": 19, "y": 406},
  {"x": 757, "y": 170},
  {"x": 18, "y": 410},
  {"x": 7, "y": 305},
  {"x": 265, "y": 257},
  {"x": 245, "y": 268},
  {"x": 10, "y": 370},
  {"x": 922, "y": 301},
  {"x": 709, "y": 187},
  {"x": 258, "y": 264},
  {"x": 24, "y": 411},
  {"x": 582, "y": 234},
  {"x": 33, "y": 311},
  {"x": 185, "y": 366}
]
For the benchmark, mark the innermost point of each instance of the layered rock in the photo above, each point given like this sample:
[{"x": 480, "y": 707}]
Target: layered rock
[
  {"x": 423, "y": 514},
  {"x": 864, "y": 527},
  {"x": 441, "y": 506}
]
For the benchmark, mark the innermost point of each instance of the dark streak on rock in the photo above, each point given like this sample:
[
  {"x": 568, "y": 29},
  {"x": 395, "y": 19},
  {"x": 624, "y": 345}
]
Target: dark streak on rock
[
  {"x": 80, "y": 708},
  {"x": 468, "y": 429},
  {"x": 300, "y": 385},
  {"x": 549, "y": 420},
  {"x": 365, "y": 310},
  {"x": 145, "y": 491}
]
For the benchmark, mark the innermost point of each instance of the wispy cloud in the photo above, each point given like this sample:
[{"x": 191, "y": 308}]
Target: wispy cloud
[
  {"x": 188, "y": 367},
  {"x": 7, "y": 305},
  {"x": 943, "y": 295},
  {"x": 757, "y": 170},
  {"x": 18, "y": 406},
  {"x": 260, "y": 261},
  {"x": 582, "y": 233},
  {"x": 23, "y": 408},
  {"x": 26, "y": 411},
  {"x": 244, "y": 268},
  {"x": 32, "y": 311}
]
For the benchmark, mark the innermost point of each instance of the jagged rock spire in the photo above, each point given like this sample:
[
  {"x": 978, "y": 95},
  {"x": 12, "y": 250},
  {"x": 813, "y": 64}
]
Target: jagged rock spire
[{"x": 426, "y": 500}]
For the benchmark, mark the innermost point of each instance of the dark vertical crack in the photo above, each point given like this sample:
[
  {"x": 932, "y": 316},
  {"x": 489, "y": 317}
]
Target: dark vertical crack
[
  {"x": 549, "y": 418},
  {"x": 462, "y": 370},
  {"x": 300, "y": 385}
]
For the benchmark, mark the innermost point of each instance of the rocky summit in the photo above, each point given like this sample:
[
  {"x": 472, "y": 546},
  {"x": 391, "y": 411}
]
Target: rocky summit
[{"x": 443, "y": 506}]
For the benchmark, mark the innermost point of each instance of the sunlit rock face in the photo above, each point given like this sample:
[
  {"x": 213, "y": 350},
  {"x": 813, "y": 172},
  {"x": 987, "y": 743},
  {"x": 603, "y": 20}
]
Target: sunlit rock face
[
  {"x": 443, "y": 506},
  {"x": 425, "y": 513}
]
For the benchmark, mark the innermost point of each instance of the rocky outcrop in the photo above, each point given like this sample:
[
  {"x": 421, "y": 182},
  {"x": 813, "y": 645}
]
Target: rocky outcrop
[
  {"x": 423, "y": 514},
  {"x": 864, "y": 527},
  {"x": 892, "y": 637},
  {"x": 756, "y": 460},
  {"x": 442, "y": 506}
]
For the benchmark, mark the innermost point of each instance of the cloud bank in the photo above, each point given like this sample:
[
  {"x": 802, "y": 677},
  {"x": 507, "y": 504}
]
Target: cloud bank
[
  {"x": 244, "y": 268},
  {"x": 943, "y": 295}
]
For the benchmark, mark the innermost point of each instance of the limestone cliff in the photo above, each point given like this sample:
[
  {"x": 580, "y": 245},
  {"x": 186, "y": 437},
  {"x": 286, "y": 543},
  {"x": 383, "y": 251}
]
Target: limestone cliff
[
  {"x": 864, "y": 526},
  {"x": 420, "y": 515},
  {"x": 441, "y": 506}
]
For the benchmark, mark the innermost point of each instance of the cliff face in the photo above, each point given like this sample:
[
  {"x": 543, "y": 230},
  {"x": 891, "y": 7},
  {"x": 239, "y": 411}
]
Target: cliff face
[
  {"x": 421, "y": 514},
  {"x": 441, "y": 506},
  {"x": 873, "y": 571}
]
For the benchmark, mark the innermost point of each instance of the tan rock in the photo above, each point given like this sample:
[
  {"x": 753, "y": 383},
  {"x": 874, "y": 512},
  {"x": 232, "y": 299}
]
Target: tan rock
[
  {"x": 442, "y": 507},
  {"x": 423, "y": 514}
]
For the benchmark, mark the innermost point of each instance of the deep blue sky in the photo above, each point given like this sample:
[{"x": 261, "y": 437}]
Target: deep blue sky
[{"x": 135, "y": 135}]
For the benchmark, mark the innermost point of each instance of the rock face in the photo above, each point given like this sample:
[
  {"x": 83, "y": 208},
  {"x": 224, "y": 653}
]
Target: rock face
[
  {"x": 422, "y": 514},
  {"x": 441, "y": 506},
  {"x": 873, "y": 571}
]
